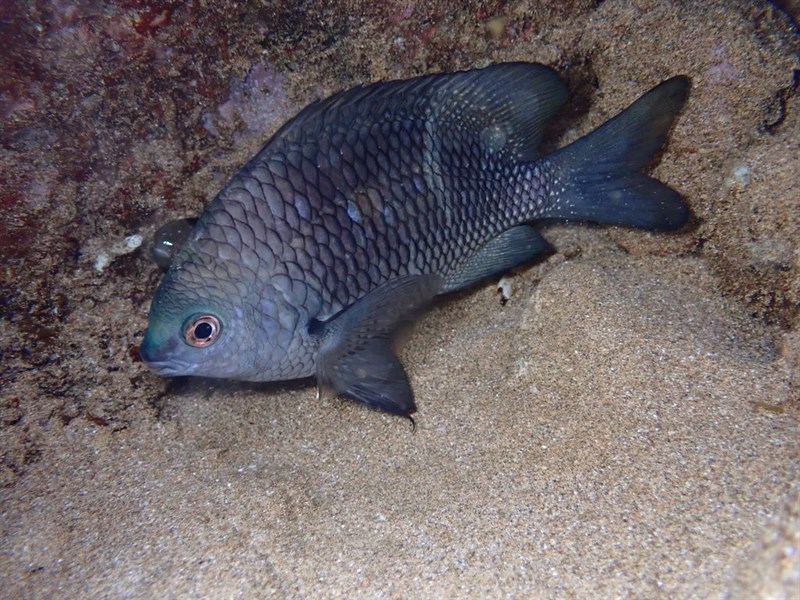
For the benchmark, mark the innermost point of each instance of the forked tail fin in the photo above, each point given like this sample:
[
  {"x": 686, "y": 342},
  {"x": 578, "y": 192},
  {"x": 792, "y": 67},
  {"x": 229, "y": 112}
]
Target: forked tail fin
[{"x": 599, "y": 176}]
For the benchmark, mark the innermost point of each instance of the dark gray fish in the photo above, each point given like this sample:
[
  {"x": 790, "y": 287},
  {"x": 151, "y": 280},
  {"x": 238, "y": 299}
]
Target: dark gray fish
[{"x": 368, "y": 204}]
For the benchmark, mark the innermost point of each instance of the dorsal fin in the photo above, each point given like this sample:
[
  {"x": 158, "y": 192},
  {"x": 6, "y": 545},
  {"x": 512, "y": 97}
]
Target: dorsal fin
[
  {"x": 503, "y": 107},
  {"x": 506, "y": 107}
]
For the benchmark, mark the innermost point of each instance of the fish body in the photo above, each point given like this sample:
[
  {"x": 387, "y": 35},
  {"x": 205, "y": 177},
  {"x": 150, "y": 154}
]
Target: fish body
[{"x": 367, "y": 205}]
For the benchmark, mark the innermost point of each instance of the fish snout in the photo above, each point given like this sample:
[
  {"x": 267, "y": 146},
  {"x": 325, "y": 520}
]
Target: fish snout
[{"x": 156, "y": 355}]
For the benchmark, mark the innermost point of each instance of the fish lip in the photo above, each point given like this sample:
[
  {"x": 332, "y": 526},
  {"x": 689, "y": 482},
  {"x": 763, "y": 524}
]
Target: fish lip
[
  {"x": 170, "y": 368},
  {"x": 162, "y": 361}
]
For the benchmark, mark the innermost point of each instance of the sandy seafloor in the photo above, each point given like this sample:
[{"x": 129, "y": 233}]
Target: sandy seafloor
[{"x": 625, "y": 426}]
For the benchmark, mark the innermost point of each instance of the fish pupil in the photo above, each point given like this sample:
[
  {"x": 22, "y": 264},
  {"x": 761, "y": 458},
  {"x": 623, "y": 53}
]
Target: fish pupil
[{"x": 203, "y": 331}]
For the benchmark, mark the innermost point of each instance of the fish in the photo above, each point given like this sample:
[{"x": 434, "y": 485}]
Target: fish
[{"x": 366, "y": 206}]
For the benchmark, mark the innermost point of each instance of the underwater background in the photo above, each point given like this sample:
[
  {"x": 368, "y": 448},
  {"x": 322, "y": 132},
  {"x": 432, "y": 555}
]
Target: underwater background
[{"x": 626, "y": 424}]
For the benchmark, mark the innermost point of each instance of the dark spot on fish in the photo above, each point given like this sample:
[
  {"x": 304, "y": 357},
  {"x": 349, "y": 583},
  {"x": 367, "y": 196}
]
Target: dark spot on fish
[{"x": 169, "y": 239}]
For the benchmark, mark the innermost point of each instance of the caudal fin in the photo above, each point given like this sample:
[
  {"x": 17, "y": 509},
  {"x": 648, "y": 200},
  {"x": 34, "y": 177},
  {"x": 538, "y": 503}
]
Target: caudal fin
[{"x": 599, "y": 176}]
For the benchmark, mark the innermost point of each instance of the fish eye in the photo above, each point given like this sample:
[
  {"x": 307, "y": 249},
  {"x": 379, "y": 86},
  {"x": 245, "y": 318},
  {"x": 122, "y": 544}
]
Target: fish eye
[{"x": 202, "y": 330}]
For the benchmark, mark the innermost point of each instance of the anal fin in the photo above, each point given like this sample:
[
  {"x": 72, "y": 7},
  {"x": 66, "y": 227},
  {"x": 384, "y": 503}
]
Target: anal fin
[
  {"x": 356, "y": 357},
  {"x": 513, "y": 247}
]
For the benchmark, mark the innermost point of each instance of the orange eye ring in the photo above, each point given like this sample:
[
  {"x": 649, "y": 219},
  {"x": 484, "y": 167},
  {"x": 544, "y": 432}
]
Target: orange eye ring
[{"x": 202, "y": 330}]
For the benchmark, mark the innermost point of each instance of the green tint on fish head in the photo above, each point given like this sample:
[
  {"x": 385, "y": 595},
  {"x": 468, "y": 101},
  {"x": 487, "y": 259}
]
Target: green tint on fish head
[
  {"x": 226, "y": 311},
  {"x": 199, "y": 325}
]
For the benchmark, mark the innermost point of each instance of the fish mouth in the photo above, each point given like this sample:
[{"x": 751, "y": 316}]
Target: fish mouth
[
  {"x": 161, "y": 359},
  {"x": 169, "y": 368}
]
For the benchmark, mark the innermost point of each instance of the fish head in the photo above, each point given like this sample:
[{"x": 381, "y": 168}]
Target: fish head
[
  {"x": 208, "y": 318},
  {"x": 199, "y": 325}
]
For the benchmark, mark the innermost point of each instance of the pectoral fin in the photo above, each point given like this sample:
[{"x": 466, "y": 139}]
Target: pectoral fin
[{"x": 356, "y": 356}]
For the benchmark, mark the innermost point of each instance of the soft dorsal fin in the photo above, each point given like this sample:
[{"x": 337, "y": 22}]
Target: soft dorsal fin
[{"x": 506, "y": 106}]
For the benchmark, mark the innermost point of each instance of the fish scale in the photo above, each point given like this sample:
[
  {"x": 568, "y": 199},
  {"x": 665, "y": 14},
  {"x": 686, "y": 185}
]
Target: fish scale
[{"x": 367, "y": 205}]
